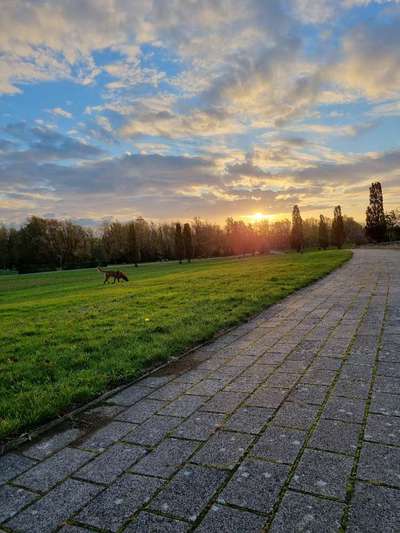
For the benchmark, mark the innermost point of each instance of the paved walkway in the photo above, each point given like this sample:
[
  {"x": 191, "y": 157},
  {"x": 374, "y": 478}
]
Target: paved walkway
[{"x": 291, "y": 422}]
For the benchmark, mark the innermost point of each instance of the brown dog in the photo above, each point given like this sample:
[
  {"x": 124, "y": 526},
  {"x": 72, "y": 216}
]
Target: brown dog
[{"x": 116, "y": 274}]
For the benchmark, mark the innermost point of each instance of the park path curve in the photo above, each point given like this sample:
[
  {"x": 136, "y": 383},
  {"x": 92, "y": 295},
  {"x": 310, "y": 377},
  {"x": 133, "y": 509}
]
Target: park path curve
[{"x": 290, "y": 422}]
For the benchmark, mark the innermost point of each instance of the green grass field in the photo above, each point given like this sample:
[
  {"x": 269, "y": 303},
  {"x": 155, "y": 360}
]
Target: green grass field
[{"x": 65, "y": 337}]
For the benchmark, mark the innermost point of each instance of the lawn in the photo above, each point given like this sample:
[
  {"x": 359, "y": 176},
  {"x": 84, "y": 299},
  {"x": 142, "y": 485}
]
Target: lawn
[{"x": 65, "y": 337}]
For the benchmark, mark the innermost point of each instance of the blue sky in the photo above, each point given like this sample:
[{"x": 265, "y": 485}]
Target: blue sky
[{"x": 170, "y": 110}]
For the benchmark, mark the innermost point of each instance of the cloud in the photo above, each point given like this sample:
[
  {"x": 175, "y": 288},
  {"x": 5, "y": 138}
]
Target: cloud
[{"x": 58, "y": 111}]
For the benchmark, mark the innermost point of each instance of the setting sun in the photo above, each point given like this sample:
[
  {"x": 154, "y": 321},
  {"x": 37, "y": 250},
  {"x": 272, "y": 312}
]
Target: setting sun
[{"x": 258, "y": 217}]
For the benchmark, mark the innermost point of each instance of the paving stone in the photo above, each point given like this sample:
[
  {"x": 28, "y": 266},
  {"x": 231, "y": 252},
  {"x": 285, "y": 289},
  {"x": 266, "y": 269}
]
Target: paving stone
[
  {"x": 170, "y": 391},
  {"x": 155, "y": 381},
  {"x": 345, "y": 409},
  {"x": 280, "y": 379},
  {"x": 130, "y": 395},
  {"x": 222, "y": 519},
  {"x": 207, "y": 387},
  {"x": 385, "y": 429},
  {"x": 385, "y": 404},
  {"x": 293, "y": 367},
  {"x": 152, "y": 430},
  {"x": 379, "y": 463},
  {"x": 305, "y": 513},
  {"x": 73, "y": 529},
  {"x": 111, "y": 463},
  {"x": 105, "y": 436},
  {"x": 326, "y": 363},
  {"x": 295, "y": 415},
  {"x": 12, "y": 500},
  {"x": 305, "y": 393},
  {"x": 188, "y": 493},
  {"x": 169, "y": 455},
  {"x": 13, "y": 464},
  {"x": 267, "y": 397},
  {"x": 113, "y": 507},
  {"x": 243, "y": 384},
  {"x": 323, "y": 473},
  {"x": 48, "y": 473},
  {"x": 357, "y": 372},
  {"x": 224, "y": 402},
  {"x": 141, "y": 411},
  {"x": 318, "y": 377},
  {"x": 336, "y": 436},
  {"x": 149, "y": 522},
  {"x": 259, "y": 372},
  {"x": 52, "y": 510},
  {"x": 255, "y": 485},
  {"x": 279, "y": 444},
  {"x": 249, "y": 419},
  {"x": 50, "y": 444},
  {"x": 199, "y": 426},
  {"x": 352, "y": 388},
  {"x": 184, "y": 406},
  {"x": 373, "y": 509},
  {"x": 224, "y": 449},
  {"x": 389, "y": 369},
  {"x": 387, "y": 384}
]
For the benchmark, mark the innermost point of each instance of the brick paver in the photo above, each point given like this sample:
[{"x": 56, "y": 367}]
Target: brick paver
[{"x": 290, "y": 422}]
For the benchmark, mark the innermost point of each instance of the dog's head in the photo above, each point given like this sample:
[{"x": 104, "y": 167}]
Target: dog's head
[{"x": 124, "y": 276}]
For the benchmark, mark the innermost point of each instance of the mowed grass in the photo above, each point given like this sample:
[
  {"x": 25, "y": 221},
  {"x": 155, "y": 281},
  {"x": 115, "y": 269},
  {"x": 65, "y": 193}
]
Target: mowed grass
[{"x": 65, "y": 337}]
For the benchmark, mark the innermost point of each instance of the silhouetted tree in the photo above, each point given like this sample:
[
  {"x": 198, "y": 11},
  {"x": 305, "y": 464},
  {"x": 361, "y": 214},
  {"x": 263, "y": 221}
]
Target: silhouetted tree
[
  {"x": 188, "y": 242},
  {"x": 179, "y": 246},
  {"x": 338, "y": 234},
  {"x": 393, "y": 225},
  {"x": 132, "y": 245},
  {"x": 375, "y": 228},
  {"x": 323, "y": 233},
  {"x": 296, "y": 236}
]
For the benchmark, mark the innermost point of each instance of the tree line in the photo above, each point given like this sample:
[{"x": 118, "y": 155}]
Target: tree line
[{"x": 47, "y": 244}]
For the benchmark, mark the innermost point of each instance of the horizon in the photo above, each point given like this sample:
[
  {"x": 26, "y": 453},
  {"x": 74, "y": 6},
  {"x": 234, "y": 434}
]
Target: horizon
[{"x": 116, "y": 110}]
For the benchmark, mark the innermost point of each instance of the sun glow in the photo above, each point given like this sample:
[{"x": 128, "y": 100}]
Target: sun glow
[{"x": 258, "y": 217}]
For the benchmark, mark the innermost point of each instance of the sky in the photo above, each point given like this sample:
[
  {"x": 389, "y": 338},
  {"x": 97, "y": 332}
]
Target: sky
[{"x": 113, "y": 109}]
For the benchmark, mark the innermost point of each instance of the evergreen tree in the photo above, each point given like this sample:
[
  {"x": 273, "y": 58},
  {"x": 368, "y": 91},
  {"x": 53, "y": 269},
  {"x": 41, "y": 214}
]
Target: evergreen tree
[
  {"x": 133, "y": 250},
  {"x": 179, "y": 247},
  {"x": 323, "y": 234},
  {"x": 188, "y": 242},
  {"x": 296, "y": 236},
  {"x": 338, "y": 234},
  {"x": 375, "y": 228}
]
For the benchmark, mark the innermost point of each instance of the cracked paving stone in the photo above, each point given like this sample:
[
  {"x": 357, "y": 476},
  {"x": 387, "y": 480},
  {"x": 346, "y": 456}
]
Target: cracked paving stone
[
  {"x": 352, "y": 389},
  {"x": 222, "y": 519},
  {"x": 113, "y": 507},
  {"x": 279, "y": 444},
  {"x": 106, "y": 467},
  {"x": 48, "y": 473},
  {"x": 296, "y": 415},
  {"x": 345, "y": 409},
  {"x": 336, "y": 436},
  {"x": 385, "y": 429},
  {"x": 249, "y": 419},
  {"x": 373, "y": 509},
  {"x": 387, "y": 384},
  {"x": 379, "y": 463},
  {"x": 305, "y": 393},
  {"x": 46, "y": 514},
  {"x": 130, "y": 395},
  {"x": 266, "y": 397},
  {"x": 48, "y": 445},
  {"x": 224, "y": 449},
  {"x": 105, "y": 436},
  {"x": 13, "y": 464},
  {"x": 183, "y": 406},
  {"x": 199, "y": 426},
  {"x": 385, "y": 404},
  {"x": 224, "y": 402},
  {"x": 149, "y": 522},
  {"x": 140, "y": 411},
  {"x": 152, "y": 430},
  {"x": 164, "y": 460},
  {"x": 12, "y": 500},
  {"x": 255, "y": 485},
  {"x": 188, "y": 493},
  {"x": 305, "y": 513},
  {"x": 323, "y": 473}
]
